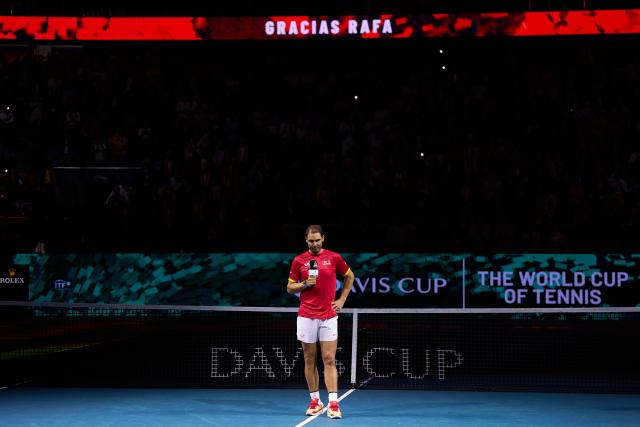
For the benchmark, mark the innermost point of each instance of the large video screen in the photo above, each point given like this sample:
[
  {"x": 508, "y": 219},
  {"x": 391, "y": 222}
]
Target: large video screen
[
  {"x": 202, "y": 28},
  {"x": 383, "y": 280}
]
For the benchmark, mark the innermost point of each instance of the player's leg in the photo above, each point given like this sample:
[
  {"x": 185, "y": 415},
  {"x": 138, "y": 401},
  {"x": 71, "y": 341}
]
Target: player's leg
[
  {"x": 328, "y": 345},
  {"x": 310, "y": 366},
  {"x": 328, "y": 349},
  {"x": 308, "y": 335}
]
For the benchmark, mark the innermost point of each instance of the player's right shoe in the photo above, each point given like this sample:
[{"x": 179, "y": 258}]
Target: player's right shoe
[
  {"x": 333, "y": 411},
  {"x": 315, "y": 407}
]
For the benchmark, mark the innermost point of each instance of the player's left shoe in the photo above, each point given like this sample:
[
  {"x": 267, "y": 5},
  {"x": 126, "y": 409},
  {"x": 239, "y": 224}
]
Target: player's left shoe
[{"x": 333, "y": 411}]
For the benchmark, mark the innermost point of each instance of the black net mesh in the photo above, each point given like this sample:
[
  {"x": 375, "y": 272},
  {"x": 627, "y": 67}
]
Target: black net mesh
[
  {"x": 154, "y": 347},
  {"x": 589, "y": 352},
  {"x": 94, "y": 346}
]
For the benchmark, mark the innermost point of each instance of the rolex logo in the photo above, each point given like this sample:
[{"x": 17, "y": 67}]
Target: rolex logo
[
  {"x": 14, "y": 283},
  {"x": 12, "y": 278}
]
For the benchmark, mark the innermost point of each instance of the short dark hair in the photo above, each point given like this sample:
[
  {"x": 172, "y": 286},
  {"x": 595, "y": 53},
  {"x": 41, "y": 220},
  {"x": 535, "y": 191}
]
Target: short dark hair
[{"x": 315, "y": 228}]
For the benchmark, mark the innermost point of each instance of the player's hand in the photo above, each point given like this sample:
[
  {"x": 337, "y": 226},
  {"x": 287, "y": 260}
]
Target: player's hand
[
  {"x": 337, "y": 305},
  {"x": 311, "y": 282}
]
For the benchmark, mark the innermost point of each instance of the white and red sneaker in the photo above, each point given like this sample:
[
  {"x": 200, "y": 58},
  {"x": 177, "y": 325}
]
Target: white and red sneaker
[
  {"x": 333, "y": 411},
  {"x": 315, "y": 407}
]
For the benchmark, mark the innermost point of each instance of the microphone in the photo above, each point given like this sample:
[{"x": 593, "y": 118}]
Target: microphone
[{"x": 313, "y": 268}]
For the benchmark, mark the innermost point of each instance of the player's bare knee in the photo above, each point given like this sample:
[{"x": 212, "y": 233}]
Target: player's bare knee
[
  {"x": 328, "y": 359},
  {"x": 310, "y": 358}
]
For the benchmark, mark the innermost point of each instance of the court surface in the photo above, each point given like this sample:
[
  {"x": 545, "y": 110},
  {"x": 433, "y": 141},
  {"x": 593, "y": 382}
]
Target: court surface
[{"x": 141, "y": 407}]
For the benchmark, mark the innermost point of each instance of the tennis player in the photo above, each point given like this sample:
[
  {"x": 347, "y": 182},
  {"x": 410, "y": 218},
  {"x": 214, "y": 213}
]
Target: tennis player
[{"x": 318, "y": 314}]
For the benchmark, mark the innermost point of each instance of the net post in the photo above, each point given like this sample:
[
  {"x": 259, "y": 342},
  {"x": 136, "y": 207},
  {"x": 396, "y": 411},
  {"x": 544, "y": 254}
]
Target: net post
[{"x": 354, "y": 347}]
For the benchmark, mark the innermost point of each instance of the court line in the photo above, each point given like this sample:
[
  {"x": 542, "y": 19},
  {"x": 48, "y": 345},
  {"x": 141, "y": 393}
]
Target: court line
[
  {"x": 205, "y": 419},
  {"x": 2, "y": 388},
  {"x": 308, "y": 420}
]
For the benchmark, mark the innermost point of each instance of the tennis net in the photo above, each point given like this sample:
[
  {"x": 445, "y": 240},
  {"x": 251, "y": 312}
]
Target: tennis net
[{"x": 589, "y": 350}]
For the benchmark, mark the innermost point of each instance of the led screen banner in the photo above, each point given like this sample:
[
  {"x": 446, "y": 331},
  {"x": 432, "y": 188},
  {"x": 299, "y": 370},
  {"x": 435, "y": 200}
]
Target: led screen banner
[
  {"x": 548, "y": 23},
  {"x": 391, "y": 280}
]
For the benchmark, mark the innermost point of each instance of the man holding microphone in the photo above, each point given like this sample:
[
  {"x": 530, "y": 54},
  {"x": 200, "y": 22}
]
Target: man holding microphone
[{"x": 313, "y": 275}]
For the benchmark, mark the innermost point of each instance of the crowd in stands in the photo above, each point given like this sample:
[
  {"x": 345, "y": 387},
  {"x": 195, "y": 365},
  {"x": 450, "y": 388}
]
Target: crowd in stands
[{"x": 489, "y": 145}]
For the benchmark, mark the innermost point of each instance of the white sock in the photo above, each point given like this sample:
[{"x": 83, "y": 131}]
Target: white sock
[
  {"x": 333, "y": 397},
  {"x": 315, "y": 395}
]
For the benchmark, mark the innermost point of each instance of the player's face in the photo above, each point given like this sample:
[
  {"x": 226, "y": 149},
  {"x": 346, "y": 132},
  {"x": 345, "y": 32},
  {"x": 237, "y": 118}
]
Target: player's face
[{"x": 314, "y": 241}]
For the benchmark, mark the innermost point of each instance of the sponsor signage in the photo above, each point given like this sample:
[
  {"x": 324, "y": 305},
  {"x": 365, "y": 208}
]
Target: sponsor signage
[{"x": 14, "y": 283}]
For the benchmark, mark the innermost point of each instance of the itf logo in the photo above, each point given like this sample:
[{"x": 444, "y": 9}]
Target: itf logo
[{"x": 61, "y": 284}]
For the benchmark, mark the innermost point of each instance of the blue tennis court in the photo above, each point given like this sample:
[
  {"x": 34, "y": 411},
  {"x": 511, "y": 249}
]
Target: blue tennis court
[
  {"x": 25, "y": 406},
  {"x": 96, "y": 365}
]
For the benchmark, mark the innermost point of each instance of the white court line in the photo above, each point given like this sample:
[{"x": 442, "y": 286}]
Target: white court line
[
  {"x": 207, "y": 420},
  {"x": 308, "y": 420},
  {"x": 2, "y": 388}
]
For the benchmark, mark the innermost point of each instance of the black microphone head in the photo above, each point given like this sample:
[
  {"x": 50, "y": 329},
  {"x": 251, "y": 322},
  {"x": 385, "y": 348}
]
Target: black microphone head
[{"x": 313, "y": 264}]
